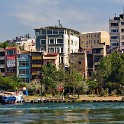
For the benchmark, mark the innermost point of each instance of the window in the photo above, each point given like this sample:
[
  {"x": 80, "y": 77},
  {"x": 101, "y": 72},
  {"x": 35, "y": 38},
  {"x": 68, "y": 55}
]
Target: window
[
  {"x": 10, "y": 52},
  {"x": 43, "y": 31},
  {"x": 51, "y": 41},
  {"x": 37, "y": 33},
  {"x": 23, "y": 71},
  {"x": 114, "y": 30},
  {"x": 25, "y": 80},
  {"x": 97, "y": 41},
  {"x": 114, "y": 24},
  {"x": 42, "y": 41},
  {"x": 23, "y": 63},
  {"x": 51, "y": 50},
  {"x": 61, "y": 31},
  {"x": 57, "y": 50},
  {"x": 36, "y": 62},
  {"x": 49, "y": 31},
  {"x": 59, "y": 41},
  {"x": 61, "y": 50},
  {"x": 41, "y": 49},
  {"x": 122, "y": 30},
  {"x": 114, "y": 37},
  {"x": 122, "y": 36},
  {"x": 94, "y": 41},
  {"x": 114, "y": 44},
  {"x": 11, "y": 70},
  {"x": 122, "y": 43},
  {"x": 55, "y": 31},
  {"x": 122, "y": 23},
  {"x": 71, "y": 42},
  {"x": 79, "y": 62}
]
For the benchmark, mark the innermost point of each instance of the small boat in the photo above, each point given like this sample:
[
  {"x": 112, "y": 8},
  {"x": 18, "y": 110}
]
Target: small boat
[{"x": 7, "y": 99}]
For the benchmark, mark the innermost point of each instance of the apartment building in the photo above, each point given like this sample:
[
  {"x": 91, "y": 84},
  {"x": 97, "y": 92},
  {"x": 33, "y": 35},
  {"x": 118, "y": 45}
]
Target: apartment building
[
  {"x": 11, "y": 61},
  {"x": 96, "y": 44},
  {"x": 2, "y": 61},
  {"x": 36, "y": 64},
  {"x": 23, "y": 67},
  {"x": 116, "y": 29},
  {"x": 57, "y": 40}
]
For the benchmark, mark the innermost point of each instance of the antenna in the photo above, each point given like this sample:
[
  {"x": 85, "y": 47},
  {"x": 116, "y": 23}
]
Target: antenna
[{"x": 59, "y": 23}]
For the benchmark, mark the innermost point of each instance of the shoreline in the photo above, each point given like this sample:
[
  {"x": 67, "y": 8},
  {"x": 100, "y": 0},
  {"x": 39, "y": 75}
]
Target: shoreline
[{"x": 82, "y": 98}]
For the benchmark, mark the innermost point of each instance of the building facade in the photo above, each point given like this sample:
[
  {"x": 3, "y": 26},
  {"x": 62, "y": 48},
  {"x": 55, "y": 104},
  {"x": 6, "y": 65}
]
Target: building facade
[
  {"x": 57, "y": 40},
  {"x": 2, "y": 61},
  {"x": 116, "y": 29},
  {"x": 36, "y": 65},
  {"x": 23, "y": 67},
  {"x": 95, "y": 44},
  {"x": 51, "y": 58},
  {"x": 78, "y": 61},
  {"x": 11, "y": 61}
]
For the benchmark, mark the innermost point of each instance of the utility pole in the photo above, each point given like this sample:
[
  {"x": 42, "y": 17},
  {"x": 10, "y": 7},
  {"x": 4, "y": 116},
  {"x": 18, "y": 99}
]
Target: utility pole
[{"x": 41, "y": 74}]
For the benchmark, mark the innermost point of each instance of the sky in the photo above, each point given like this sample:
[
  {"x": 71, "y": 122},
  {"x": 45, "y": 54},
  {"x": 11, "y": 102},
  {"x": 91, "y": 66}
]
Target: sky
[{"x": 20, "y": 17}]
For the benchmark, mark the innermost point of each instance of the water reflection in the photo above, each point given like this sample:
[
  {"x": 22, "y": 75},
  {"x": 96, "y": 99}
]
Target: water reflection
[{"x": 59, "y": 113}]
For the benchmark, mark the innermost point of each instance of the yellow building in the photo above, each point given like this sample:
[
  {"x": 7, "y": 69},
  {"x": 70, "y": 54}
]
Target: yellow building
[
  {"x": 95, "y": 43},
  {"x": 91, "y": 40}
]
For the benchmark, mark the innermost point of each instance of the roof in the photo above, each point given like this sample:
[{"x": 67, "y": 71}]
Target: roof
[
  {"x": 93, "y": 32},
  {"x": 10, "y": 48},
  {"x": 56, "y": 27},
  {"x": 51, "y": 54}
]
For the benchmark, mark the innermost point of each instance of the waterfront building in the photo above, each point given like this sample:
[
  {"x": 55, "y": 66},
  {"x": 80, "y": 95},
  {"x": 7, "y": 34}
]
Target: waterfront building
[
  {"x": 2, "y": 61},
  {"x": 96, "y": 45},
  {"x": 116, "y": 29},
  {"x": 23, "y": 67},
  {"x": 11, "y": 61},
  {"x": 36, "y": 65},
  {"x": 57, "y": 40},
  {"x": 51, "y": 58}
]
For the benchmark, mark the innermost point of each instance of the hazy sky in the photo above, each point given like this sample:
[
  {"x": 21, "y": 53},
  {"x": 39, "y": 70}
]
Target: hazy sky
[{"x": 20, "y": 17}]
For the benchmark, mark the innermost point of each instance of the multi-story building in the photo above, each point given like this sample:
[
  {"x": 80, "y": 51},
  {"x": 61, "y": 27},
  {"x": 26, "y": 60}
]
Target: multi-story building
[
  {"x": 2, "y": 61},
  {"x": 96, "y": 44},
  {"x": 116, "y": 29},
  {"x": 51, "y": 58},
  {"x": 57, "y": 40},
  {"x": 36, "y": 65},
  {"x": 23, "y": 67},
  {"x": 11, "y": 63}
]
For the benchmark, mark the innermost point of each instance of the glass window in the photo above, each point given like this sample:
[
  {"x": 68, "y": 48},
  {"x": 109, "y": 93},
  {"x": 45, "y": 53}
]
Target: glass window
[
  {"x": 61, "y": 50},
  {"x": 61, "y": 31},
  {"x": 122, "y": 23},
  {"x": 10, "y": 52},
  {"x": 49, "y": 31},
  {"x": 23, "y": 63},
  {"x": 55, "y": 31},
  {"x": 59, "y": 41},
  {"x": 122, "y": 43},
  {"x": 122, "y": 30},
  {"x": 43, "y": 31},
  {"x": 122, "y": 36},
  {"x": 114, "y": 37},
  {"x": 51, "y": 50},
  {"x": 42, "y": 41},
  {"x": 57, "y": 50},
  {"x": 51, "y": 41},
  {"x": 23, "y": 71}
]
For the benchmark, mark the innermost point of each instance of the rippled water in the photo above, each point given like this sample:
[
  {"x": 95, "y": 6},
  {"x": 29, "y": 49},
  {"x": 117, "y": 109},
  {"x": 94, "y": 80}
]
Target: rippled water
[{"x": 59, "y": 113}]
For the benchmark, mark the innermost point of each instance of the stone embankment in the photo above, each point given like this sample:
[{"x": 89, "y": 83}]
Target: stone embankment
[{"x": 33, "y": 99}]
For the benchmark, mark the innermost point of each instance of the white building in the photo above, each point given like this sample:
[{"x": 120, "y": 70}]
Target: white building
[
  {"x": 57, "y": 40},
  {"x": 27, "y": 44},
  {"x": 116, "y": 29}
]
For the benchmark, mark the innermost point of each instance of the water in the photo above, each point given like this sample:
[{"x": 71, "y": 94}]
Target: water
[{"x": 59, "y": 113}]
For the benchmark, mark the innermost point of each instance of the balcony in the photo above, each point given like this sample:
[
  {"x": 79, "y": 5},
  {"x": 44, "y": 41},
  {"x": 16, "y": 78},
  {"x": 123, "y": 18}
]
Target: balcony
[
  {"x": 36, "y": 65},
  {"x": 36, "y": 57}
]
